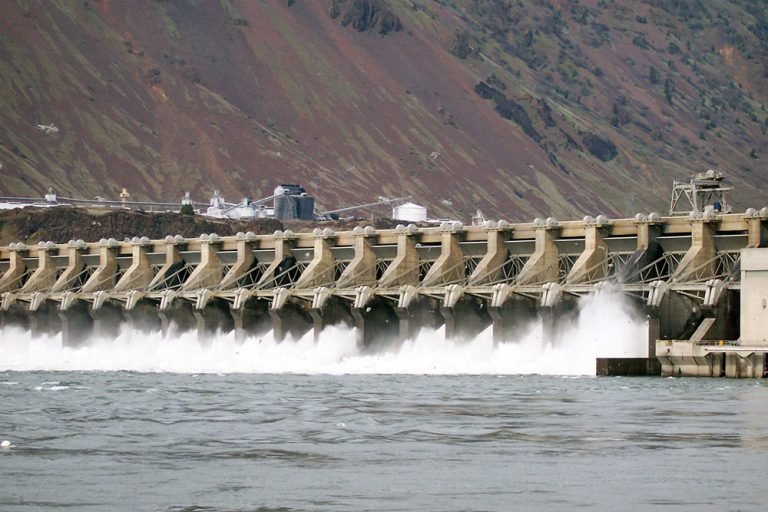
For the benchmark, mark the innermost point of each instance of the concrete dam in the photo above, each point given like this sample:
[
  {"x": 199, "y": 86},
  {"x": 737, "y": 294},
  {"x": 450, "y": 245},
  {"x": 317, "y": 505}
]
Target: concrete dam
[{"x": 701, "y": 280}]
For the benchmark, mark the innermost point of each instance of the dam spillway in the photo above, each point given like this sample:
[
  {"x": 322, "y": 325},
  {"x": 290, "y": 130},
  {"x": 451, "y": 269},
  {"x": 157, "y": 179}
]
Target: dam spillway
[{"x": 700, "y": 280}]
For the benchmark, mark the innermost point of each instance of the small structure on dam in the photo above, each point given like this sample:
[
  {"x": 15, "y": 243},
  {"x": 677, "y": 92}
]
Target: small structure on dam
[
  {"x": 700, "y": 279},
  {"x": 702, "y": 192}
]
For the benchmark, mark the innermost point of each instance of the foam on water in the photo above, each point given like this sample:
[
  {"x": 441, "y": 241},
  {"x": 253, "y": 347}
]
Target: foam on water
[{"x": 604, "y": 327}]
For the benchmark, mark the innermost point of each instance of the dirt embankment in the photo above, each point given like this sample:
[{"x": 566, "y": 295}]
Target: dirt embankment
[{"x": 61, "y": 224}]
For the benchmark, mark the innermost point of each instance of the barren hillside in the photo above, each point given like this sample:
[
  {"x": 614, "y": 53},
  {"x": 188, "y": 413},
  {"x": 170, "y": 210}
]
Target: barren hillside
[{"x": 520, "y": 108}]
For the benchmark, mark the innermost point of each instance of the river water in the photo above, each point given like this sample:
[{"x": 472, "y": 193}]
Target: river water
[{"x": 145, "y": 422}]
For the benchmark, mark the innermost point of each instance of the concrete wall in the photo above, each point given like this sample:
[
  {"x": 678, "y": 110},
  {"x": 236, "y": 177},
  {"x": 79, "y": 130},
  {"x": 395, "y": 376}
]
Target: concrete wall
[{"x": 754, "y": 296}]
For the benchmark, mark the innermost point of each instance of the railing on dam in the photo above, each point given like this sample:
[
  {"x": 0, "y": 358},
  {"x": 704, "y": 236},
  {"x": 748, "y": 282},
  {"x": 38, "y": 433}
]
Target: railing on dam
[{"x": 400, "y": 278}]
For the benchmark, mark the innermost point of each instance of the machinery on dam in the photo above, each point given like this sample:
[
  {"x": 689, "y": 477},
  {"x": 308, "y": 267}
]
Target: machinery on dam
[
  {"x": 288, "y": 202},
  {"x": 701, "y": 280}
]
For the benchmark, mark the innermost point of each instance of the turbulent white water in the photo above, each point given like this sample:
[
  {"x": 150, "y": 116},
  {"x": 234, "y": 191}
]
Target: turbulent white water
[{"x": 604, "y": 327}]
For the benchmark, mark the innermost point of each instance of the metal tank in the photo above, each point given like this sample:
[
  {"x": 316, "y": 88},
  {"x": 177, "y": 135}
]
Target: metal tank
[{"x": 292, "y": 202}]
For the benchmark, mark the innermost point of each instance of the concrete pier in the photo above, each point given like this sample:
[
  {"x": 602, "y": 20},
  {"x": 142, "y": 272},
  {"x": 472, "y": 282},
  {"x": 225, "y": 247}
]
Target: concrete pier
[{"x": 699, "y": 280}]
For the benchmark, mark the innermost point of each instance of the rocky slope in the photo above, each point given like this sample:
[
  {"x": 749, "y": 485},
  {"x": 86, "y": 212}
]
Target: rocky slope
[
  {"x": 62, "y": 224},
  {"x": 518, "y": 107}
]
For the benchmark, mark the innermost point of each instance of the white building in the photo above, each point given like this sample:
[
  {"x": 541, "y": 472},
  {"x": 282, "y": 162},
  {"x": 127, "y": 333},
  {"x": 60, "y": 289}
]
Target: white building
[{"x": 410, "y": 212}]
